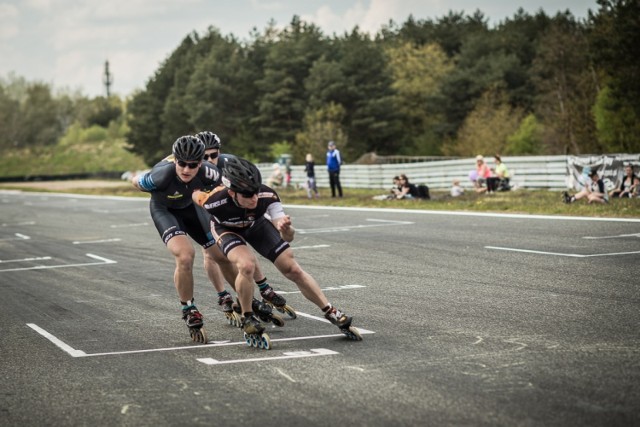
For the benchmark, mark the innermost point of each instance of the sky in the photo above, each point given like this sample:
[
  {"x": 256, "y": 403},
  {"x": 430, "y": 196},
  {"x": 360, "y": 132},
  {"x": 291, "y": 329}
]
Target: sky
[{"x": 65, "y": 43}]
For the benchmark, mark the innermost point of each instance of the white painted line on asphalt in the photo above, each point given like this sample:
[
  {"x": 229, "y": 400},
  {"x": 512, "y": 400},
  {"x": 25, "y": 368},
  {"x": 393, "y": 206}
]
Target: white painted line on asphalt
[
  {"x": 66, "y": 348},
  {"x": 383, "y": 223},
  {"x": 529, "y": 251},
  {"x": 41, "y": 258},
  {"x": 328, "y": 288},
  {"x": 287, "y": 355},
  {"x": 612, "y": 237},
  {"x": 139, "y": 224},
  {"x": 79, "y": 353},
  {"x": 97, "y": 241},
  {"x": 5, "y": 224},
  {"x": 310, "y": 247},
  {"x": 322, "y": 319},
  {"x": 45, "y": 267},
  {"x": 18, "y": 237}
]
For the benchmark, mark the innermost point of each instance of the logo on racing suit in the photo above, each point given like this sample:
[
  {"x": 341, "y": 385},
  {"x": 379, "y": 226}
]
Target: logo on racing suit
[{"x": 176, "y": 195}]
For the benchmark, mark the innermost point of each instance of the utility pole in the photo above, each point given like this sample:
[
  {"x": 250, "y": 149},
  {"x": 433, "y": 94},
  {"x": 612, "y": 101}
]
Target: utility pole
[{"x": 107, "y": 79}]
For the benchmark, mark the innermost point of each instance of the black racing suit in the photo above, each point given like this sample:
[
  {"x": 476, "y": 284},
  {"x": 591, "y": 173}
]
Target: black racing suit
[
  {"x": 232, "y": 225},
  {"x": 172, "y": 209}
]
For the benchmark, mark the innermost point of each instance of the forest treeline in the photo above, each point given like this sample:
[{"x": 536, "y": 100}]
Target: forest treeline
[{"x": 533, "y": 84}]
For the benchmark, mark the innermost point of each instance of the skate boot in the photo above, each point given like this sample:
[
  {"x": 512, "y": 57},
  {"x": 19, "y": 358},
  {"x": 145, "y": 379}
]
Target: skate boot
[
  {"x": 269, "y": 296},
  {"x": 226, "y": 302},
  {"x": 254, "y": 334},
  {"x": 565, "y": 197},
  {"x": 343, "y": 322},
  {"x": 265, "y": 313},
  {"x": 193, "y": 319}
]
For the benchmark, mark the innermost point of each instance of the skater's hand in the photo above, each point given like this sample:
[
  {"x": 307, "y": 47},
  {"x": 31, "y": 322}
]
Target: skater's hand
[{"x": 283, "y": 225}]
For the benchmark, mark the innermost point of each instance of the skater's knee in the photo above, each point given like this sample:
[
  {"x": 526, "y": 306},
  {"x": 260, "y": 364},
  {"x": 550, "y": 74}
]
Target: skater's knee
[
  {"x": 246, "y": 267},
  {"x": 293, "y": 272},
  {"x": 184, "y": 260}
]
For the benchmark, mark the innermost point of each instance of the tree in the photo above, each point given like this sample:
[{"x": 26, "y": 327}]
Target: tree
[
  {"x": 418, "y": 73},
  {"x": 487, "y": 128},
  {"x": 527, "y": 140},
  {"x": 320, "y": 126},
  {"x": 617, "y": 125}
]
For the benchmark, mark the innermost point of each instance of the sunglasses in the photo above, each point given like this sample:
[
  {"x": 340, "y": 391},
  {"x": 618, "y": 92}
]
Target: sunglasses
[
  {"x": 210, "y": 156},
  {"x": 183, "y": 164},
  {"x": 247, "y": 194}
]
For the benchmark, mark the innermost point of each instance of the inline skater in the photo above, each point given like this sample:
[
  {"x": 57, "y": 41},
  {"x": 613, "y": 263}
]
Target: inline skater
[
  {"x": 213, "y": 154},
  {"x": 171, "y": 183},
  {"x": 238, "y": 209}
]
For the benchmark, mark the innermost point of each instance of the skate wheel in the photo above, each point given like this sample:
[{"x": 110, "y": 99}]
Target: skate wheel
[
  {"x": 198, "y": 335},
  {"x": 265, "y": 342},
  {"x": 290, "y": 311},
  {"x": 277, "y": 320},
  {"x": 353, "y": 333},
  {"x": 247, "y": 339},
  {"x": 254, "y": 341}
]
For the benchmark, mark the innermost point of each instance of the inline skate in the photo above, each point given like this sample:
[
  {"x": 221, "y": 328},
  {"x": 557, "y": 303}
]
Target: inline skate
[
  {"x": 254, "y": 334},
  {"x": 226, "y": 302},
  {"x": 193, "y": 319},
  {"x": 262, "y": 311},
  {"x": 277, "y": 301},
  {"x": 343, "y": 322}
]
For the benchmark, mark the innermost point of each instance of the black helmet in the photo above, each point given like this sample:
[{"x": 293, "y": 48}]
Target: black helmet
[
  {"x": 241, "y": 175},
  {"x": 210, "y": 139},
  {"x": 188, "y": 148}
]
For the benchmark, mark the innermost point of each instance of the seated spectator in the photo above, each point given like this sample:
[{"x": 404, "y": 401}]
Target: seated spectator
[
  {"x": 276, "y": 178},
  {"x": 393, "y": 193},
  {"x": 629, "y": 186},
  {"x": 407, "y": 190},
  {"x": 482, "y": 172},
  {"x": 594, "y": 190},
  {"x": 456, "y": 189},
  {"x": 499, "y": 181}
]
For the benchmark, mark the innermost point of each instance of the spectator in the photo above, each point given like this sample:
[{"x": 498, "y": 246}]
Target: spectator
[
  {"x": 276, "y": 178},
  {"x": 500, "y": 179},
  {"x": 482, "y": 172},
  {"x": 629, "y": 185},
  {"x": 334, "y": 161},
  {"x": 456, "y": 189},
  {"x": 407, "y": 190},
  {"x": 594, "y": 190},
  {"x": 309, "y": 168},
  {"x": 287, "y": 173}
]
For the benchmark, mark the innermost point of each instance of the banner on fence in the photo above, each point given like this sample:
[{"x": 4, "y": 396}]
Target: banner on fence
[{"x": 610, "y": 167}]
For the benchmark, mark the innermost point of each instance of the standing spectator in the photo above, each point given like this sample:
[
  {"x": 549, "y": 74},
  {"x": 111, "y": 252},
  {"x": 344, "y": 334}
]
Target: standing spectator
[
  {"x": 629, "y": 185},
  {"x": 309, "y": 168},
  {"x": 594, "y": 190},
  {"x": 333, "y": 166},
  {"x": 287, "y": 173}
]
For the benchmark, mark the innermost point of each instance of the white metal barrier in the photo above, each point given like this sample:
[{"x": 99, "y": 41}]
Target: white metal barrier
[{"x": 535, "y": 172}]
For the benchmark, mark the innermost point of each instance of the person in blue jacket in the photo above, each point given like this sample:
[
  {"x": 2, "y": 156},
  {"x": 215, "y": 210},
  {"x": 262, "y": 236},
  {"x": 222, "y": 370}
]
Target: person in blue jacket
[{"x": 333, "y": 166}]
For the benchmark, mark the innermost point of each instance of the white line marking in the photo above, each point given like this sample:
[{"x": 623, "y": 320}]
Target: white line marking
[
  {"x": 18, "y": 223},
  {"x": 66, "y": 348},
  {"x": 310, "y": 247},
  {"x": 351, "y": 227},
  {"x": 79, "y": 353},
  {"x": 322, "y": 319},
  {"x": 45, "y": 267},
  {"x": 560, "y": 254},
  {"x": 328, "y": 288},
  {"x": 292, "y": 355},
  {"x": 41, "y": 258},
  {"x": 18, "y": 237},
  {"x": 140, "y": 224},
  {"x": 612, "y": 237},
  {"x": 97, "y": 241},
  {"x": 479, "y": 341}
]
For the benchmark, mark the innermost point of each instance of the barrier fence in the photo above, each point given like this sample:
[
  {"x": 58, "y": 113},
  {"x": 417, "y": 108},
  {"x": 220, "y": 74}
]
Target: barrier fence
[{"x": 534, "y": 172}]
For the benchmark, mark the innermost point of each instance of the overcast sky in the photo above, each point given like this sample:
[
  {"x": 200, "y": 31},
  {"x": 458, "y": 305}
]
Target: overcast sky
[{"x": 66, "y": 42}]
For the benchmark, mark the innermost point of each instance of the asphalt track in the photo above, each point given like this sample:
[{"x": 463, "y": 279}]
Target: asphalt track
[{"x": 468, "y": 319}]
